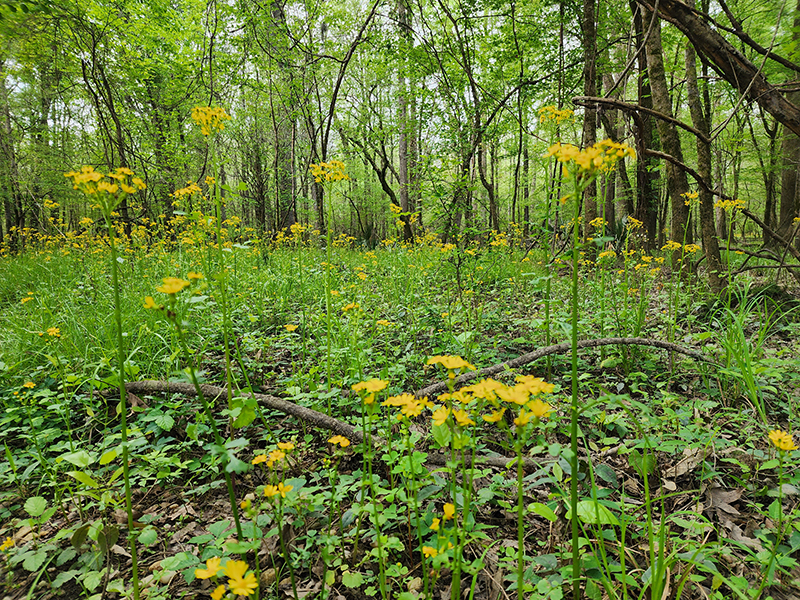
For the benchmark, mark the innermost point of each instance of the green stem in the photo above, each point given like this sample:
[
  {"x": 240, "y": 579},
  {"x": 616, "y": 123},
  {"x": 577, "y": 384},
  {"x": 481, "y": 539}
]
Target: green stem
[
  {"x": 210, "y": 416},
  {"x": 123, "y": 408},
  {"x": 573, "y": 433}
]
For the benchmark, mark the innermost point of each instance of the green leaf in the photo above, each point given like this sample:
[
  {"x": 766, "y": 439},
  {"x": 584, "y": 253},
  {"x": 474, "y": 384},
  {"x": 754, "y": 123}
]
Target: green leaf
[
  {"x": 80, "y": 535},
  {"x": 594, "y": 513},
  {"x": 352, "y": 580},
  {"x": 165, "y": 422},
  {"x": 80, "y": 459},
  {"x": 34, "y": 561},
  {"x": 35, "y": 506},
  {"x": 83, "y": 478},
  {"x": 247, "y": 414},
  {"x": 148, "y": 537},
  {"x": 543, "y": 511},
  {"x": 108, "y": 456},
  {"x": 92, "y": 579},
  {"x": 442, "y": 435},
  {"x": 606, "y": 473}
]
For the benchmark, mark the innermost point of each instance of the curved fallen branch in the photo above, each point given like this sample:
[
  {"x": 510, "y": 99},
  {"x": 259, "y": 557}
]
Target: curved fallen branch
[
  {"x": 560, "y": 349},
  {"x": 354, "y": 434},
  {"x": 311, "y": 416}
]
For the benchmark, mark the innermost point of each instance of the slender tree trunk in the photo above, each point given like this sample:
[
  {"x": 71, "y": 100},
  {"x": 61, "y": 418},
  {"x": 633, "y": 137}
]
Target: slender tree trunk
[
  {"x": 9, "y": 175},
  {"x": 702, "y": 122},
  {"x": 647, "y": 197},
  {"x": 790, "y": 151},
  {"x": 404, "y": 123},
  {"x": 589, "y": 138}
]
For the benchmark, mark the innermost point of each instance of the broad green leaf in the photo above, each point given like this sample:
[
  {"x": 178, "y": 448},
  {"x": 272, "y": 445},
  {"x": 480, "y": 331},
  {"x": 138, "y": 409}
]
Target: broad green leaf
[
  {"x": 352, "y": 580},
  {"x": 80, "y": 459},
  {"x": 35, "y": 506},
  {"x": 594, "y": 513},
  {"x": 165, "y": 422},
  {"x": 108, "y": 456},
  {"x": 34, "y": 561},
  {"x": 148, "y": 537},
  {"x": 543, "y": 511},
  {"x": 441, "y": 434}
]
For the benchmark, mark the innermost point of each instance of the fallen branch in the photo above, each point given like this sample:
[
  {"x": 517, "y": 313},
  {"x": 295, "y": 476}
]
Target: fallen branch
[
  {"x": 311, "y": 416},
  {"x": 213, "y": 392},
  {"x": 560, "y": 349}
]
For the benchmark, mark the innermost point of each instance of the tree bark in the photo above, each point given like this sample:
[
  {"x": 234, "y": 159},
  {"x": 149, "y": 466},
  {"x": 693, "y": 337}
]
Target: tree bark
[
  {"x": 677, "y": 183},
  {"x": 729, "y": 62},
  {"x": 589, "y": 137},
  {"x": 702, "y": 122}
]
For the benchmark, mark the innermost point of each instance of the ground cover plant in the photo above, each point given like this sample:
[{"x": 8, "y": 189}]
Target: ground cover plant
[{"x": 201, "y": 412}]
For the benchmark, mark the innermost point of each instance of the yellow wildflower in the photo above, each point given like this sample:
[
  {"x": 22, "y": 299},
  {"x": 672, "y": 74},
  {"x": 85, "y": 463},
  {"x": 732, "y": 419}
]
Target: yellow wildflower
[
  {"x": 440, "y": 415},
  {"x": 495, "y": 416},
  {"x": 372, "y": 386},
  {"x": 290, "y": 327},
  {"x": 429, "y": 551},
  {"x": 462, "y": 418},
  {"x": 782, "y": 440},
  {"x": 172, "y": 285},
  {"x": 218, "y": 593},
  {"x": 339, "y": 439},
  {"x": 449, "y": 511},
  {"x": 239, "y": 583},
  {"x": 212, "y": 568}
]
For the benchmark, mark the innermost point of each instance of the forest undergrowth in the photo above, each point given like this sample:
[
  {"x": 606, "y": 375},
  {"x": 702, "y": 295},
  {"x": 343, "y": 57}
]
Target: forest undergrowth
[{"x": 268, "y": 436}]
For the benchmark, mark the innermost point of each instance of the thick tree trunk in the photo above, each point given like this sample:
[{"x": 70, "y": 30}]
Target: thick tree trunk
[{"x": 677, "y": 182}]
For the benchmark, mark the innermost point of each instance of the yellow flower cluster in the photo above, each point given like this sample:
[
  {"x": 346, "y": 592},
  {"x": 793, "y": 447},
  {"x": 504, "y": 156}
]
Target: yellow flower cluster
[
  {"x": 339, "y": 440},
  {"x": 690, "y": 198},
  {"x": 92, "y": 182},
  {"x": 599, "y": 157},
  {"x": 240, "y": 581},
  {"x": 730, "y": 205},
  {"x": 523, "y": 396},
  {"x": 190, "y": 190},
  {"x": 551, "y": 113},
  {"x": 209, "y": 118},
  {"x": 328, "y": 171}
]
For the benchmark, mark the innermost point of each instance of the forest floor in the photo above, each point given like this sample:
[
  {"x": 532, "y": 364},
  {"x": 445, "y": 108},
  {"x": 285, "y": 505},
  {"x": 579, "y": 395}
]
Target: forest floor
[{"x": 681, "y": 492}]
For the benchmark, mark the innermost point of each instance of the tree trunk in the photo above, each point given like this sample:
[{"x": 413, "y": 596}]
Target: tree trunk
[
  {"x": 404, "y": 123},
  {"x": 677, "y": 182},
  {"x": 647, "y": 197},
  {"x": 702, "y": 122},
  {"x": 589, "y": 137},
  {"x": 729, "y": 62}
]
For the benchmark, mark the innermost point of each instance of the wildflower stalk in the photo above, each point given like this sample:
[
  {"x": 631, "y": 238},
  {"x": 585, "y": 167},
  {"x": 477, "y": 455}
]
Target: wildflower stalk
[
  {"x": 573, "y": 432},
  {"x": 172, "y": 315},
  {"x": 123, "y": 395},
  {"x": 520, "y": 523}
]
